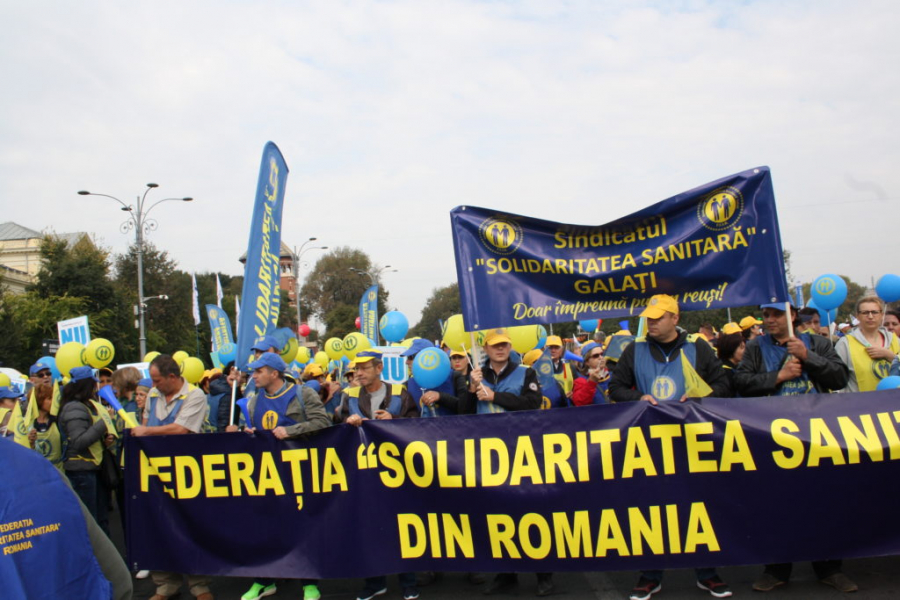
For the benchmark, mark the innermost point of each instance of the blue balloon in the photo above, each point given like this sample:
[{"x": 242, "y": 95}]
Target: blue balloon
[
  {"x": 542, "y": 336},
  {"x": 888, "y": 288},
  {"x": 51, "y": 361},
  {"x": 431, "y": 367},
  {"x": 589, "y": 325},
  {"x": 227, "y": 353},
  {"x": 889, "y": 383},
  {"x": 828, "y": 291},
  {"x": 393, "y": 326}
]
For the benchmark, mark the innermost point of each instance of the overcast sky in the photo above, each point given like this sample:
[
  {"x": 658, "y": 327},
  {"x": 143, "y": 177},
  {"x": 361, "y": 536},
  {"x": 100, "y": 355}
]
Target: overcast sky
[{"x": 389, "y": 114}]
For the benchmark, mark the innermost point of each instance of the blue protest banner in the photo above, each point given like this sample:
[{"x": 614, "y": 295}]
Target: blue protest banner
[
  {"x": 715, "y": 246},
  {"x": 262, "y": 273},
  {"x": 220, "y": 325},
  {"x": 368, "y": 314},
  {"x": 626, "y": 486}
]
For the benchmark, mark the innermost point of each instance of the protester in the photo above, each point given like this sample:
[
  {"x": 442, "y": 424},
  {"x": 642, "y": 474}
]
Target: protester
[
  {"x": 709, "y": 333},
  {"x": 440, "y": 401},
  {"x": 810, "y": 321},
  {"x": 459, "y": 361},
  {"x": 222, "y": 388},
  {"x": 174, "y": 407},
  {"x": 9, "y": 401},
  {"x": 592, "y": 380},
  {"x": 44, "y": 435},
  {"x": 40, "y": 373},
  {"x": 892, "y": 321},
  {"x": 104, "y": 377},
  {"x": 562, "y": 370},
  {"x": 140, "y": 398},
  {"x": 374, "y": 398},
  {"x": 869, "y": 349},
  {"x": 500, "y": 384},
  {"x": 730, "y": 349},
  {"x": 778, "y": 364},
  {"x": 665, "y": 367},
  {"x": 750, "y": 327},
  {"x": 76, "y": 561},
  {"x": 87, "y": 430},
  {"x": 288, "y": 411}
]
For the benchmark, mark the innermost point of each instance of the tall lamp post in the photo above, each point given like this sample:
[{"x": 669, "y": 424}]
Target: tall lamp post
[
  {"x": 296, "y": 260},
  {"x": 374, "y": 276},
  {"x": 138, "y": 221}
]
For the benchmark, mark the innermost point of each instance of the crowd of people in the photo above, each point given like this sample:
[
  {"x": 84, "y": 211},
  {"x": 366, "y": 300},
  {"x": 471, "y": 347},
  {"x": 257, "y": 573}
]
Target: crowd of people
[{"x": 786, "y": 352}]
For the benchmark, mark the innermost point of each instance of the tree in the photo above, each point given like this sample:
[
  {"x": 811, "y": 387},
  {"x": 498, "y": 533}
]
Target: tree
[
  {"x": 26, "y": 320},
  {"x": 335, "y": 283},
  {"x": 443, "y": 302}
]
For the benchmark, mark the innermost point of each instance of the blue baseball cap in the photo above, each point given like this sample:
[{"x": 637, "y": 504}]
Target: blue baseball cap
[
  {"x": 264, "y": 343},
  {"x": 416, "y": 347},
  {"x": 79, "y": 373},
  {"x": 586, "y": 349},
  {"x": 37, "y": 367},
  {"x": 366, "y": 356},
  {"x": 777, "y": 306},
  {"x": 269, "y": 359},
  {"x": 146, "y": 383},
  {"x": 9, "y": 392}
]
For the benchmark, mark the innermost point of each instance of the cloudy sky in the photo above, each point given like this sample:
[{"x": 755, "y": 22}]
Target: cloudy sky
[{"x": 389, "y": 114}]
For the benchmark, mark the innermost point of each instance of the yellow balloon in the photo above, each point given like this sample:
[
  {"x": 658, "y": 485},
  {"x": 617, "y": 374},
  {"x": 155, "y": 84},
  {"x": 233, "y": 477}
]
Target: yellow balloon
[
  {"x": 99, "y": 352},
  {"x": 355, "y": 342},
  {"x": 150, "y": 356},
  {"x": 290, "y": 350},
  {"x": 192, "y": 369},
  {"x": 524, "y": 337},
  {"x": 321, "y": 359},
  {"x": 180, "y": 357},
  {"x": 334, "y": 348},
  {"x": 69, "y": 356},
  {"x": 456, "y": 337},
  {"x": 303, "y": 355},
  {"x": 4, "y": 380}
]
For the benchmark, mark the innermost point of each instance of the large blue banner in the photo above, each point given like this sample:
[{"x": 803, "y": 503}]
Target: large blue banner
[
  {"x": 713, "y": 247},
  {"x": 607, "y": 487},
  {"x": 368, "y": 313},
  {"x": 262, "y": 273},
  {"x": 220, "y": 325}
]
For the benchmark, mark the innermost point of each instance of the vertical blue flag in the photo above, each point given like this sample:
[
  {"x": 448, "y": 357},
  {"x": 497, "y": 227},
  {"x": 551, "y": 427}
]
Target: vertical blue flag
[
  {"x": 261, "y": 291},
  {"x": 220, "y": 326},
  {"x": 368, "y": 314}
]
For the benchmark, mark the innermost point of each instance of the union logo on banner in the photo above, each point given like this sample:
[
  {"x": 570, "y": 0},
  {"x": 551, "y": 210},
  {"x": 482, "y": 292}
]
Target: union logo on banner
[
  {"x": 721, "y": 209},
  {"x": 501, "y": 236}
]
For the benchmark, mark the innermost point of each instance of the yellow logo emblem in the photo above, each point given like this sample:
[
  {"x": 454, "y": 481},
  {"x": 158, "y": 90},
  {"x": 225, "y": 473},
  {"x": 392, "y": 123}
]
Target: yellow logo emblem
[
  {"x": 428, "y": 360},
  {"x": 663, "y": 388},
  {"x": 721, "y": 209},
  {"x": 881, "y": 368},
  {"x": 270, "y": 420},
  {"x": 501, "y": 236},
  {"x": 825, "y": 286}
]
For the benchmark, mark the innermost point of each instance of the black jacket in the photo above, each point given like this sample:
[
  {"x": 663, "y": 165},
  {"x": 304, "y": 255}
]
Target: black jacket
[
  {"x": 824, "y": 367},
  {"x": 623, "y": 383}
]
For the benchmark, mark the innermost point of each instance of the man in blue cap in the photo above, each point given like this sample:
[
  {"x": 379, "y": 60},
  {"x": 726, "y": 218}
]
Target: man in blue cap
[
  {"x": 373, "y": 398},
  {"x": 288, "y": 411},
  {"x": 781, "y": 364},
  {"x": 40, "y": 373}
]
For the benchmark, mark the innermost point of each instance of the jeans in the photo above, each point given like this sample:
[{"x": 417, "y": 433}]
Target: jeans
[{"x": 93, "y": 494}]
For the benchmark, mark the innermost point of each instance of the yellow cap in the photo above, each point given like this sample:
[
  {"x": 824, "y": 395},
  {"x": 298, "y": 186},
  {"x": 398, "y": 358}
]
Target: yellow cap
[
  {"x": 729, "y": 328},
  {"x": 554, "y": 340},
  {"x": 659, "y": 305},
  {"x": 314, "y": 370},
  {"x": 492, "y": 337},
  {"x": 457, "y": 353},
  {"x": 748, "y": 322}
]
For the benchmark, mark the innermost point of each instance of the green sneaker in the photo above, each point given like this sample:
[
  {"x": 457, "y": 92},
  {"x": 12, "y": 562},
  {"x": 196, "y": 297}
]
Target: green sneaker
[
  {"x": 311, "y": 592},
  {"x": 258, "y": 590}
]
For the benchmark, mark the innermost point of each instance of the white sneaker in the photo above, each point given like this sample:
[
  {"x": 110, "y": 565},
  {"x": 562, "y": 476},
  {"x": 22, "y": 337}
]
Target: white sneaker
[{"x": 143, "y": 574}]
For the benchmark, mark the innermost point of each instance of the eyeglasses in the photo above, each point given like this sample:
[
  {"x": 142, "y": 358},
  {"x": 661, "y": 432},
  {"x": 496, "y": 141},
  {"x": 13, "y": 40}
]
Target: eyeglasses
[
  {"x": 44, "y": 374},
  {"x": 869, "y": 313},
  {"x": 599, "y": 355}
]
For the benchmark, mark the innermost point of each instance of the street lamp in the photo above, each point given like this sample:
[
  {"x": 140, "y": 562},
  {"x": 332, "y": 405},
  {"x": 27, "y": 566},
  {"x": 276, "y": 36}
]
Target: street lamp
[
  {"x": 138, "y": 221},
  {"x": 296, "y": 260}
]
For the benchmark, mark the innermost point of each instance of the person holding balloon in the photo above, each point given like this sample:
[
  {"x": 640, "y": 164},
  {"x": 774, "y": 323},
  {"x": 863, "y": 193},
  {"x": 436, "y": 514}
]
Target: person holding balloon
[
  {"x": 433, "y": 384},
  {"x": 869, "y": 349}
]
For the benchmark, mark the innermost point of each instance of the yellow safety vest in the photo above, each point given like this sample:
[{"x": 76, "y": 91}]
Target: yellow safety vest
[
  {"x": 49, "y": 445},
  {"x": 869, "y": 372},
  {"x": 96, "y": 449}
]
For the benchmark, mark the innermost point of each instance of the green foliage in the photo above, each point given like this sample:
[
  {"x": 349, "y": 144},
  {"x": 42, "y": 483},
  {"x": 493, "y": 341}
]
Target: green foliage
[
  {"x": 26, "y": 320},
  {"x": 442, "y": 303},
  {"x": 341, "y": 321}
]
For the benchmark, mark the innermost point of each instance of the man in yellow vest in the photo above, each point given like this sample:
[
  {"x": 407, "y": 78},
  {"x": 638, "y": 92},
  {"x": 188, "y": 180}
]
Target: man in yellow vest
[{"x": 562, "y": 370}]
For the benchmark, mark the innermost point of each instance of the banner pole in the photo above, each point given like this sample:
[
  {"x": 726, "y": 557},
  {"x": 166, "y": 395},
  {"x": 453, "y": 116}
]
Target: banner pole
[{"x": 233, "y": 394}]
